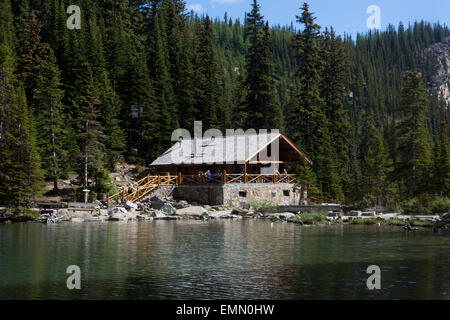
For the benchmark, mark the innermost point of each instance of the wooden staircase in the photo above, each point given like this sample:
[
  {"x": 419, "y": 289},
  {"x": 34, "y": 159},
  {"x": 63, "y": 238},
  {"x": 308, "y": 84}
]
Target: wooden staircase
[{"x": 139, "y": 190}]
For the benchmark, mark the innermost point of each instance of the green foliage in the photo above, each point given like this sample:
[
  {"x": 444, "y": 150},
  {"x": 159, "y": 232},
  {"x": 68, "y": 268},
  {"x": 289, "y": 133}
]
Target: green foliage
[
  {"x": 313, "y": 217},
  {"x": 103, "y": 183},
  {"x": 264, "y": 206},
  {"x": 261, "y": 111},
  {"x": 426, "y": 205},
  {"x": 414, "y": 142}
]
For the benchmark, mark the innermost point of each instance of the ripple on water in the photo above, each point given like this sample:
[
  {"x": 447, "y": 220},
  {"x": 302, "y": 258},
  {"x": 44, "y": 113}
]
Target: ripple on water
[{"x": 220, "y": 260}]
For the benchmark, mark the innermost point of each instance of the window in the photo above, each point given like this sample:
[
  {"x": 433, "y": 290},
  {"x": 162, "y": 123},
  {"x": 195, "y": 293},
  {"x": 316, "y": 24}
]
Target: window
[
  {"x": 286, "y": 193},
  {"x": 243, "y": 194}
]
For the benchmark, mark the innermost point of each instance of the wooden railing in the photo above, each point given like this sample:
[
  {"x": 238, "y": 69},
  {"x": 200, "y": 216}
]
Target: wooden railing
[{"x": 146, "y": 185}]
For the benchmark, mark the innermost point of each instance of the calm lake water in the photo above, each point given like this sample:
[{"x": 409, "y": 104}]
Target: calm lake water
[{"x": 221, "y": 260}]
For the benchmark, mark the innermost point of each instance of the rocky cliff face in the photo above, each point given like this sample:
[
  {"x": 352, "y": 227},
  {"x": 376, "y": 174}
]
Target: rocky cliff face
[{"x": 440, "y": 82}]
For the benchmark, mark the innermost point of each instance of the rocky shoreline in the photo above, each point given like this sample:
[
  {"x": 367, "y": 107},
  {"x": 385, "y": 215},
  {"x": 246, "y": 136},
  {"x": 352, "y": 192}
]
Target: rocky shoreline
[{"x": 157, "y": 208}]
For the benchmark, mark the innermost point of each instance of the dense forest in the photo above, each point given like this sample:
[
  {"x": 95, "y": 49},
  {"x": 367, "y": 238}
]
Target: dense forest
[{"x": 82, "y": 100}]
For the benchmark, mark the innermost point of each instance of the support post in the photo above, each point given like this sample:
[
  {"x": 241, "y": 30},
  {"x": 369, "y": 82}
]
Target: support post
[
  {"x": 224, "y": 178},
  {"x": 245, "y": 172}
]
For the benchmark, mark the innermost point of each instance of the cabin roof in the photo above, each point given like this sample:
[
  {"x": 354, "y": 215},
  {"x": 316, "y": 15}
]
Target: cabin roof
[{"x": 220, "y": 149}]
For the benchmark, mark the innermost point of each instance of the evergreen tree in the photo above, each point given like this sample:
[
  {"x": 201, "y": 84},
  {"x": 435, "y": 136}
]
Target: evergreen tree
[
  {"x": 414, "y": 154},
  {"x": 334, "y": 90},
  {"x": 206, "y": 76},
  {"x": 306, "y": 122},
  {"x": 441, "y": 157},
  {"x": 90, "y": 135},
  {"x": 261, "y": 110}
]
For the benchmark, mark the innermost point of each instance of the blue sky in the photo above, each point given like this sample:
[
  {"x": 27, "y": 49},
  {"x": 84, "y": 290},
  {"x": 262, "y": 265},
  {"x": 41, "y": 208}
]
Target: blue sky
[{"x": 344, "y": 15}]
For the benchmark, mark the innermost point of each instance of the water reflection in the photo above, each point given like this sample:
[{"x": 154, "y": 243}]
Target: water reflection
[{"x": 221, "y": 260}]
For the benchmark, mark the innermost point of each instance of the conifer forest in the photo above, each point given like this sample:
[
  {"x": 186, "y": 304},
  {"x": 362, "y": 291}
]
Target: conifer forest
[{"x": 368, "y": 109}]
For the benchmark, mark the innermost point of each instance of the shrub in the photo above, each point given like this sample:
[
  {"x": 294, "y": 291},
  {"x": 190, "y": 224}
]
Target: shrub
[
  {"x": 440, "y": 205},
  {"x": 264, "y": 206},
  {"x": 313, "y": 217},
  {"x": 426, "y": 205}
]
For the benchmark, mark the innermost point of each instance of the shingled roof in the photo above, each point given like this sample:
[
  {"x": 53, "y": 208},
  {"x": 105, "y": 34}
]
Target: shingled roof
[{"x": 220, "y": 149}]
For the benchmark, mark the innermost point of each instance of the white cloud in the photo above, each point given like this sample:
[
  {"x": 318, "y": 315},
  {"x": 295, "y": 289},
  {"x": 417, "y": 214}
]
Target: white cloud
[{"x": 197, "y": 7}]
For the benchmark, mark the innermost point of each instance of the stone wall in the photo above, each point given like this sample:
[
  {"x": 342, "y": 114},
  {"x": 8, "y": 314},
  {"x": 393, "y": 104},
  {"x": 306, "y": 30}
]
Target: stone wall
[
  {"x": 233, "y": 194},
  {"x": 241, "y": 194},
  {"x": 204, "y": 194}
]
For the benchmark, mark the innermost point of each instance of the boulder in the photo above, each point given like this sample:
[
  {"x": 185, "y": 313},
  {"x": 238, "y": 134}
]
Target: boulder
[
  {"x": 117, "y": 210},
  {"x": 192, "y": 211},
  {"x": 368, "y": 214},
  {"x": 355, "y": 213},
  {"x": 285, "y": 216},
  {"x": 157, "y": 214},
  {"x": 156, "y": 203},
  {"x": 181, "y": 204},
  {"x": 239, "y": 211},
  {"x": 223, "y": 214},
  {"x": 130, "y": 205},
  {"x": 168, "y": 209},
  {"x": 62, "y": 212},
  {"x": 77, "y": 220},
  {"x": 117, "y": 214}
]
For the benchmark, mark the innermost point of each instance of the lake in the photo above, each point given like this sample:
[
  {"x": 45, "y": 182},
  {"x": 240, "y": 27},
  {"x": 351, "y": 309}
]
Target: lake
[{"x": 245, "y": 259}]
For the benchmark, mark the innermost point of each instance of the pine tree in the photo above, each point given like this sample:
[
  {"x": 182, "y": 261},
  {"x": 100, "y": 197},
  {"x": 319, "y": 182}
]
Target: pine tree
[
  {"x": 441, "y": 157},
  {"x": 90, "y": 135},
  {"x": 334, "y": 90},
  {"x": 164, "y": 94},
  {"x": 261, "y": 110},
  {"x": 206, "y": 76},
  {"x": 20, "y": 173},
  {"x": 374, "y": 186},
  {"x": 306, "y": 121},
  {"x": 48, "y": 110},
  {"x": 21, "y": 176},
  {"x": 414, "y": 143}
]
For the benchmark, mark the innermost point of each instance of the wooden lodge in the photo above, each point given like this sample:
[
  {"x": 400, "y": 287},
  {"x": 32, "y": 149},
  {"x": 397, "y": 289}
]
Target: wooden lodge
[
  {"x": 219, "y": 170},
  {"x": 246, "y": 155}
]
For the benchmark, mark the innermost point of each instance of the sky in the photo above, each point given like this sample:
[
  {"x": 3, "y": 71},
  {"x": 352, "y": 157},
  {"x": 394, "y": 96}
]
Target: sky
[{"x": 346, "y": 16}]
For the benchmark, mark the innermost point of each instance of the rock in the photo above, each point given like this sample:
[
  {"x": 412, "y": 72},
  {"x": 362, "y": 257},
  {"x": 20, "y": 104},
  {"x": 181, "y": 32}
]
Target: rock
[
  {"x": 103, "y": 212},
  {"x": 355, "y": 213},
  {"x": 77, "y": 220},
  {"x": 181, "y": 204},
  {"x": 116, "y": 210},
  {"x": 130, "y": 205},
  {"x": 117, "y": 214},
  {"x": 156, "y": 203},
  {"x": 157, "y": 214},
  {"x": 168, "y": 209},
  {"x": 224, "y": 214},
  {"x": 167, "y": 218},
  {"x": 368, "y": 214},
  {"x": 285, "y": 216},
  {"x": 62, "y": 212},
  {"x": 192, "y": 211},
  {"x": 239, "y": 211}
]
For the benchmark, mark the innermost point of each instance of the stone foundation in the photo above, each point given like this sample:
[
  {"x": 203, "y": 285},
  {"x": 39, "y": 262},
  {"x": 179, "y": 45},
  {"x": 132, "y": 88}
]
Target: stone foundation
[{"x": 234, "y": 194}]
